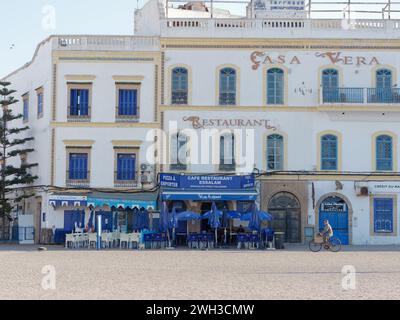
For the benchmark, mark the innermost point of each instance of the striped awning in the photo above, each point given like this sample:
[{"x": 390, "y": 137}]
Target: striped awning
[{"x": 62, "y": 200}]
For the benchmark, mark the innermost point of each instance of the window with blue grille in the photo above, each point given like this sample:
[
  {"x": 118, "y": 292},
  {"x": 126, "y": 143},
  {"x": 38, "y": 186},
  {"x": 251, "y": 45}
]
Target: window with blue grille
[
  {"x": 227, "y": 86},
  {"x": 275, "y": 152},
  {"x": 78, "y": 166},
  {"x": 384, "y": 85},
  {"x": 275, "y": 86},
  {"x": 79, "y": 100},
  {"x": 127, "y": 102},
  {"x": 383, "y": 215},
  {"x": 25, "y": 111},
  {"x": 179, "y": 88},
  {"x": 227, "y": 152},
  {"x": 384, "y": 153},
  {"x": 330, "y": 85},
  {"x": 40, "y": 104},
  {"x": 329, "y": 152},
  {"x": 126, "y": 167}
]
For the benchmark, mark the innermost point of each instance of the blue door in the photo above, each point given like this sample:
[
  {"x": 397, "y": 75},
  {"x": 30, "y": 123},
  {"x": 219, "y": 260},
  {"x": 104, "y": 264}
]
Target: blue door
[
  {"x": 71, "y": 217},
  {"x": 106, "y": 220},
  {"x": 335, "y": 210}
]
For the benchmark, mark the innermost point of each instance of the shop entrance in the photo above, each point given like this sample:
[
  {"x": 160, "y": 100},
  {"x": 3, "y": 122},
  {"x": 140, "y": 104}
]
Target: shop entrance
[
  {"x": 336, "y": 210},
  {"x": 286, "y": 210}
]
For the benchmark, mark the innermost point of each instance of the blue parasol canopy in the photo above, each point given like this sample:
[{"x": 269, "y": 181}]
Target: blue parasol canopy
[
  {"x": 214, "y": 216},
  {"x": 187, "y": 215},
  {"x": 255, "y": 217},
  {"x": 164, "y": 218},
  {"x": 90, "y": 223},
  {"x": 173, "y": 221}
]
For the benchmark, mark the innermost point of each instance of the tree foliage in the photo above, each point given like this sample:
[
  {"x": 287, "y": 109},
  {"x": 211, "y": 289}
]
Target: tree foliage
[{"x": 14, "y": 173}]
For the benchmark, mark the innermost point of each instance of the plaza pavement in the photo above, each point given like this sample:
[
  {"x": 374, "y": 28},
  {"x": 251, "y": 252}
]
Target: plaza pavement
[{"x": 293, "y": 273}]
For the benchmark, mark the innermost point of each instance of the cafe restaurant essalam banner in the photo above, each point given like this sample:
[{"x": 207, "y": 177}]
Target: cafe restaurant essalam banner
[{"x": 207, "y": 187}]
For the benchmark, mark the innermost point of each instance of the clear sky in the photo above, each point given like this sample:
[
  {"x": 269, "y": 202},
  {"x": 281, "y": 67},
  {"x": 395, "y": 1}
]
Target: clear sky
[
  {"x": 30, "y": 21},
  {"x": 24, "y": 21}
]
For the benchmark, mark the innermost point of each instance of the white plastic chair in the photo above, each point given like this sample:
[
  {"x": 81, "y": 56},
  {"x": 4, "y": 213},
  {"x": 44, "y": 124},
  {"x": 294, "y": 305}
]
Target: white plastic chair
[
  {"x": 92, "y": 239},
  {"x": 134, "y": 238},
  {"x": 69, "y": 240},
  {"x": 124, "y": 238}
]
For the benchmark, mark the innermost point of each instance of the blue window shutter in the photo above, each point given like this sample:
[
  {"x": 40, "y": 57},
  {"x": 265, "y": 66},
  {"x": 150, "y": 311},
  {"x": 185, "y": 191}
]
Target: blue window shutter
[
  {"x": 78, "y": 166},
  {"x": 126, "y": 165},
  {"x": 384, "y": 153},
  {"x": 84, "y": 105},
  {"x": 74, "y": 102},
  {"x": 275, "y": 86},
  {"x": 329, "y": 152},
  {"x": 127, "y": 101}
]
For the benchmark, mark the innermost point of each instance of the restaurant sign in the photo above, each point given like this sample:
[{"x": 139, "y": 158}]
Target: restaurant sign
[
  {"x": 207, "y": 182},
  {"x": 202, "y": 123}
]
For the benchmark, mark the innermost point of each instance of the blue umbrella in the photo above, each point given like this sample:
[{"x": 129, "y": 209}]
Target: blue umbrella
[
  {"x": 214, "y": 219},
  {"x": 90, "y": 223},
  {"x": 145, "y": 219},
  {"x": 173, "y": 222},
  {"x": 116, "y": 213},
  {"x": 187, "y": 215},
  {"x": 164, "y": 215},
  {"x": 255, "y": 217}
]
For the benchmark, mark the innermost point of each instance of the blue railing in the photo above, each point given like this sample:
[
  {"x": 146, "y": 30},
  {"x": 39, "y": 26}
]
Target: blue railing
[
  {"x": 383, "y": 95},
  {"x": 360, "y": 95},
  {"x": 343, "y": 95}
]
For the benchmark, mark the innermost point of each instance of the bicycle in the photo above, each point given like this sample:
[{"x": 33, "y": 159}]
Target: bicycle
[{"x": 333, "y": 244}]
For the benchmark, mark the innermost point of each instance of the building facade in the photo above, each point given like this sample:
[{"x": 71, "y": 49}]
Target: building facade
[{"x": 310, "y": 106}]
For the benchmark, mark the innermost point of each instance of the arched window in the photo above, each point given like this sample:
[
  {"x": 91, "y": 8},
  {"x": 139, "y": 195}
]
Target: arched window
[
  {"x": 330, "y": 85},
  {"x": 179, "y": 87},
  {"x": 384, "y": 85},
  {"x": 227, "y": 152},
  {"x": 329, "y": 152},
  {"x": 384, "y": 153},
  {"x": 275, "y": 86},
  {"x": 275, "y": 153},
  {"x": 227, "y": 86},
  {"x": 178, "y": 152}
]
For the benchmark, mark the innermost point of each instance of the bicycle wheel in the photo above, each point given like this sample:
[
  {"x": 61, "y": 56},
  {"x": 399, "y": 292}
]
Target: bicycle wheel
[
  {"x": 335, "y": 245},
  {"x": 315, "y": 247}
]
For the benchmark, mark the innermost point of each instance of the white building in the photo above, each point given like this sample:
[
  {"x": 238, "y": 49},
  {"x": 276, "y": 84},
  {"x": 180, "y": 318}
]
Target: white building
[{"x": 320, "y": 97}]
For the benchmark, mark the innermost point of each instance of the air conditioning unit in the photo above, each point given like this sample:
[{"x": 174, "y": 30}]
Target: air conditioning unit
[
  {"x": 362, "y": 191},
  {"x": 144, "y": 167},
  {"x": 146, "y": 179}
]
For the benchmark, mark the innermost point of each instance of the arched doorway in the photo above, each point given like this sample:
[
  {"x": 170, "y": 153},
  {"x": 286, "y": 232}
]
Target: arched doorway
[
  {"x": 286, "y": 210},
  {"x": 336, "y": 210}
]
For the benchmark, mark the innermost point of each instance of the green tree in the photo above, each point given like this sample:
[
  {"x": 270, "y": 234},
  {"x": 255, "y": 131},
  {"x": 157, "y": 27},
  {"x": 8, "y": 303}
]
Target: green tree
[{"x": 14, "y": 174}]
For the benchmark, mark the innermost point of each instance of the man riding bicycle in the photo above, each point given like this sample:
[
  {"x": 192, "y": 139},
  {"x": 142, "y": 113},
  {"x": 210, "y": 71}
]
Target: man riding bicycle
[{"x": 327, "y": 233}]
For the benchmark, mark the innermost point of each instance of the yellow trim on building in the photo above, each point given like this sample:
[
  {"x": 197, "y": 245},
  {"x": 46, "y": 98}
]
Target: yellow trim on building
[
  {"x": 394, "y": 150},
  {"x": 285, "y": 149},
  {"x": 75, "y": 143},
  {"x": 237, "y": 85},
  {"x": 128, "y": 78},
  {"x": 380, "y": 67},
  {"x": 285, "y": 87},
  {"x": 395, "y": 214},
  {"x": 79, "y": 77},
  {"x": 339, "y": 149},
  {"x": 169, "y": 83},
  {"x": 127, "y": 143},
  {"x": 149, "y": 125}
]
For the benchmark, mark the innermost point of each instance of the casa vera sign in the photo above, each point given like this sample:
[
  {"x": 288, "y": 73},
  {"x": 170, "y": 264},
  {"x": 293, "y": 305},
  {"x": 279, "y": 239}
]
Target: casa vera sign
[{"x": 259, "y": 58}]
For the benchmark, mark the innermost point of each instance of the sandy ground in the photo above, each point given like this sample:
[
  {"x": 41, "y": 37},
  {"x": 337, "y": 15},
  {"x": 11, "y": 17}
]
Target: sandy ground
[{"x": 290, "y": 274}]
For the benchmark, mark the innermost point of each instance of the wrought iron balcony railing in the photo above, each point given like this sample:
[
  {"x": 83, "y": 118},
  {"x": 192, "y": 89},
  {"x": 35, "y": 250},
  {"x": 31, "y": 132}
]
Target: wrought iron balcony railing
[{"x": 360, "y": 95}]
